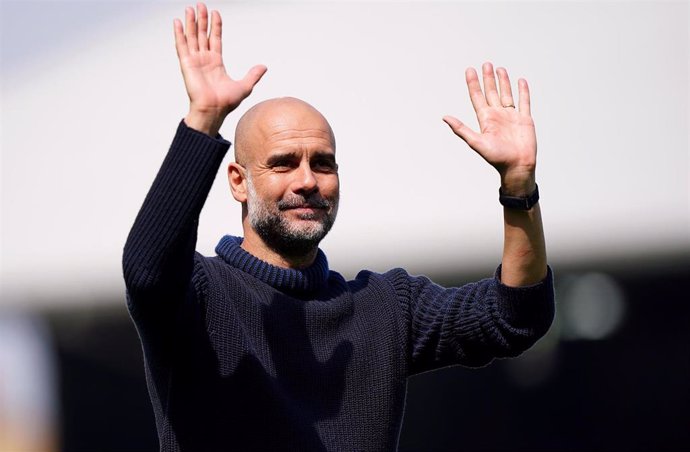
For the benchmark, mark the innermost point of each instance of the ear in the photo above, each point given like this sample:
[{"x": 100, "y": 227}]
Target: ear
[{"x": 238, "y": 183}]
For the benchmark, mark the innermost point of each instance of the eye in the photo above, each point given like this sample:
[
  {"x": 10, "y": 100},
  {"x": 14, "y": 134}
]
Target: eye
[
  {"x": 283, "y": 164},
  {"x": 325, "y": 165}
]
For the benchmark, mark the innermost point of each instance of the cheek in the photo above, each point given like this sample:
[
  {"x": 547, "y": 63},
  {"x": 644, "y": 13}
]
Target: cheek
[
  {"x": 330, "y": 187},
  {"x": 274, "y": 188}
]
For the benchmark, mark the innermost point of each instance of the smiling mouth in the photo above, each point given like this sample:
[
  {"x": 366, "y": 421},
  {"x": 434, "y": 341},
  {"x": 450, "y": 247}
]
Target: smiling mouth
[
  {"x": 308, "y": 213},
  {"x": 315, "y": 203},
  {"x": 307, "y": 210},
  {"x": 310, "y": 207}
]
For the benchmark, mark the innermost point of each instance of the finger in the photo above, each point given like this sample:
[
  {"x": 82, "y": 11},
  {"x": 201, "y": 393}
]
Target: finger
[
  {"x": 475, "y": 90},
  {"x": 190, "y": 29},
  {"x": 253, "y": 76},
  {"x": 523, "y": 93},
  {"x": 180, "y": 40},
  {"x": 468, "y": 135},
  {"x": 216, "y": 41},
  {"x": 504, "y": 86},
  {"x": 489, "y": 80},
  {"x": 202, "y": 26}
]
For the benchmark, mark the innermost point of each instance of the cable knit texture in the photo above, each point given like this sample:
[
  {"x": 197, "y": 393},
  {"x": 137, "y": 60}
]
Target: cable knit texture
[{"x": 244, "y": 355}]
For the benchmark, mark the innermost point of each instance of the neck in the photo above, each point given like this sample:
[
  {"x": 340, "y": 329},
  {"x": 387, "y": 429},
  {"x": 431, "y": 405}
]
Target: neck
[{"x": 254, "y": 245}]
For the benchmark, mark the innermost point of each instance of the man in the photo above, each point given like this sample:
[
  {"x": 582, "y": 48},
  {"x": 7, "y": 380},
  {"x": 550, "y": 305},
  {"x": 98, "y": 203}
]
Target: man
[{"x": 262, "y": 347}]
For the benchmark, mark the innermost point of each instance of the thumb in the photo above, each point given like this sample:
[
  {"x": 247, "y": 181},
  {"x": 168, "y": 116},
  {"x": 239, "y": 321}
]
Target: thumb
[
  {"x": 253, "y": 76},
  {"x": 468, "y": 135}
]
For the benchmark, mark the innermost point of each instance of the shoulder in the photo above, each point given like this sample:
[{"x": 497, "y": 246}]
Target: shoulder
[
  {"x": 212, "y": 271},
  {"x": 396, "y": 282},
  {"x": 204, "y": 263},
  {"x": 400, "y": 280}
]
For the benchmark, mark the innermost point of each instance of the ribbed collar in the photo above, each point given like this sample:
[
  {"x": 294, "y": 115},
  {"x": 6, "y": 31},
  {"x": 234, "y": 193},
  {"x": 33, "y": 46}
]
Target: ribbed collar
[{"x": 306, "y": 280}]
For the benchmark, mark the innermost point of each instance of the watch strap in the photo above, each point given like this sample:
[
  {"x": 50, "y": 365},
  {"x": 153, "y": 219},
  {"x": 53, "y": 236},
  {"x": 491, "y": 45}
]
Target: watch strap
[{"x": 520, "y": 203}]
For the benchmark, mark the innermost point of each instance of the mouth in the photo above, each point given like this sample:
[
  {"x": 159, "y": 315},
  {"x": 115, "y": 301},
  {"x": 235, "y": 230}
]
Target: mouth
[
  {"x": 306, "y": 211},
  {"x": 307, "y": 206}
]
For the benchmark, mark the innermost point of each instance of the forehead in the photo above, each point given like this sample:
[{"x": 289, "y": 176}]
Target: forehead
[{"x": 294, "y": 129}]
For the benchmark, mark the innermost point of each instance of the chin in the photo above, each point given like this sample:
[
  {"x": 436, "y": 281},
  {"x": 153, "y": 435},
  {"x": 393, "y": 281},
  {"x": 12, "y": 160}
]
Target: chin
[{"x": 309, "y": 232}]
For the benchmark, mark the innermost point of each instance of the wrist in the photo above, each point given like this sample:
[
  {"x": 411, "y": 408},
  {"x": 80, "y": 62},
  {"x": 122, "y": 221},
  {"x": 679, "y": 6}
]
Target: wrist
[
  {"x": 518, "y": 183},
  {"x": 205, "y": 122}
]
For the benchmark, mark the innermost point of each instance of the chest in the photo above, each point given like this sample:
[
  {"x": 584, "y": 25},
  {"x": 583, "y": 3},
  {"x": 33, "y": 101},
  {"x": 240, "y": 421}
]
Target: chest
[{"x": 333, "y": 334}]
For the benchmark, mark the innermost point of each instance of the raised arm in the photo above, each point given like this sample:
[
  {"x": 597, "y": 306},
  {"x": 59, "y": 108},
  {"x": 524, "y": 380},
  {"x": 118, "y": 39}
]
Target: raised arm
[
  {"x": 212, "y": 93},
  {"x": 507, "y": 141},
  {"x": 159, "y": 253}
]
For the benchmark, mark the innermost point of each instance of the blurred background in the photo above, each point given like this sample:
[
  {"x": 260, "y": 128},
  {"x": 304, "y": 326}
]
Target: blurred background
[{"x": 91, "y": 95}]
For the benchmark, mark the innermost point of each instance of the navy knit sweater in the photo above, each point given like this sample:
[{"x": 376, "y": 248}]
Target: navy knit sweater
[{"x": 243, "y": 355}]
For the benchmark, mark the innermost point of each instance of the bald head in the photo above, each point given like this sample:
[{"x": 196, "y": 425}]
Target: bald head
[{"x": 268, "y": 118}]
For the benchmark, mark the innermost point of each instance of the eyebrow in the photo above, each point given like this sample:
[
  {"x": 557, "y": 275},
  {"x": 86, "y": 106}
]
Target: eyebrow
[
  {"x": 275, "y": 158},
  {"x": 324, "y": 155}
]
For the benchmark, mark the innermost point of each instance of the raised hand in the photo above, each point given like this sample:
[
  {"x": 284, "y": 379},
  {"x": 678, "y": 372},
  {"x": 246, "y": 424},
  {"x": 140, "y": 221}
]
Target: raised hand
[
  {"x": 507, "y": 138},
  {"x": 212, "y": 93}
]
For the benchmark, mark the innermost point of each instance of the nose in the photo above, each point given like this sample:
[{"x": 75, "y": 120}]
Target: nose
[{"x": 305, "y": 180}]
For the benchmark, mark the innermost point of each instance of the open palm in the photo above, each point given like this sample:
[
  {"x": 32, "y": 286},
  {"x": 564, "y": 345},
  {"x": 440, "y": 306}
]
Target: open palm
[
  {"x": 507, "y": 139},
  {"x": 210, "y": 88}
]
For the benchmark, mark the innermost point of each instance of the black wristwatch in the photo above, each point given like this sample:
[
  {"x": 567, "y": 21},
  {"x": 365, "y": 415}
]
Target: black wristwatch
[{"x": 514, "y": 202}]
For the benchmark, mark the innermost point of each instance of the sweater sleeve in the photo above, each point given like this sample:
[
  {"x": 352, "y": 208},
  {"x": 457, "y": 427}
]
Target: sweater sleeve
[
  {"x": 159, "y": 253},
  {"x": 472, "y": 324}
]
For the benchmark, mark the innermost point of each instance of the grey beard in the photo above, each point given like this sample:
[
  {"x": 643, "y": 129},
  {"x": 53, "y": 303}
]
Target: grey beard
[{"x": 277, "y": 232}]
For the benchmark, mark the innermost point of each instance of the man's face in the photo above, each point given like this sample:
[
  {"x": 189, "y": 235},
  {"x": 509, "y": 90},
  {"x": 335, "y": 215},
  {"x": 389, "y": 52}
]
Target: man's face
[{"x": 292, "y": 183}]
